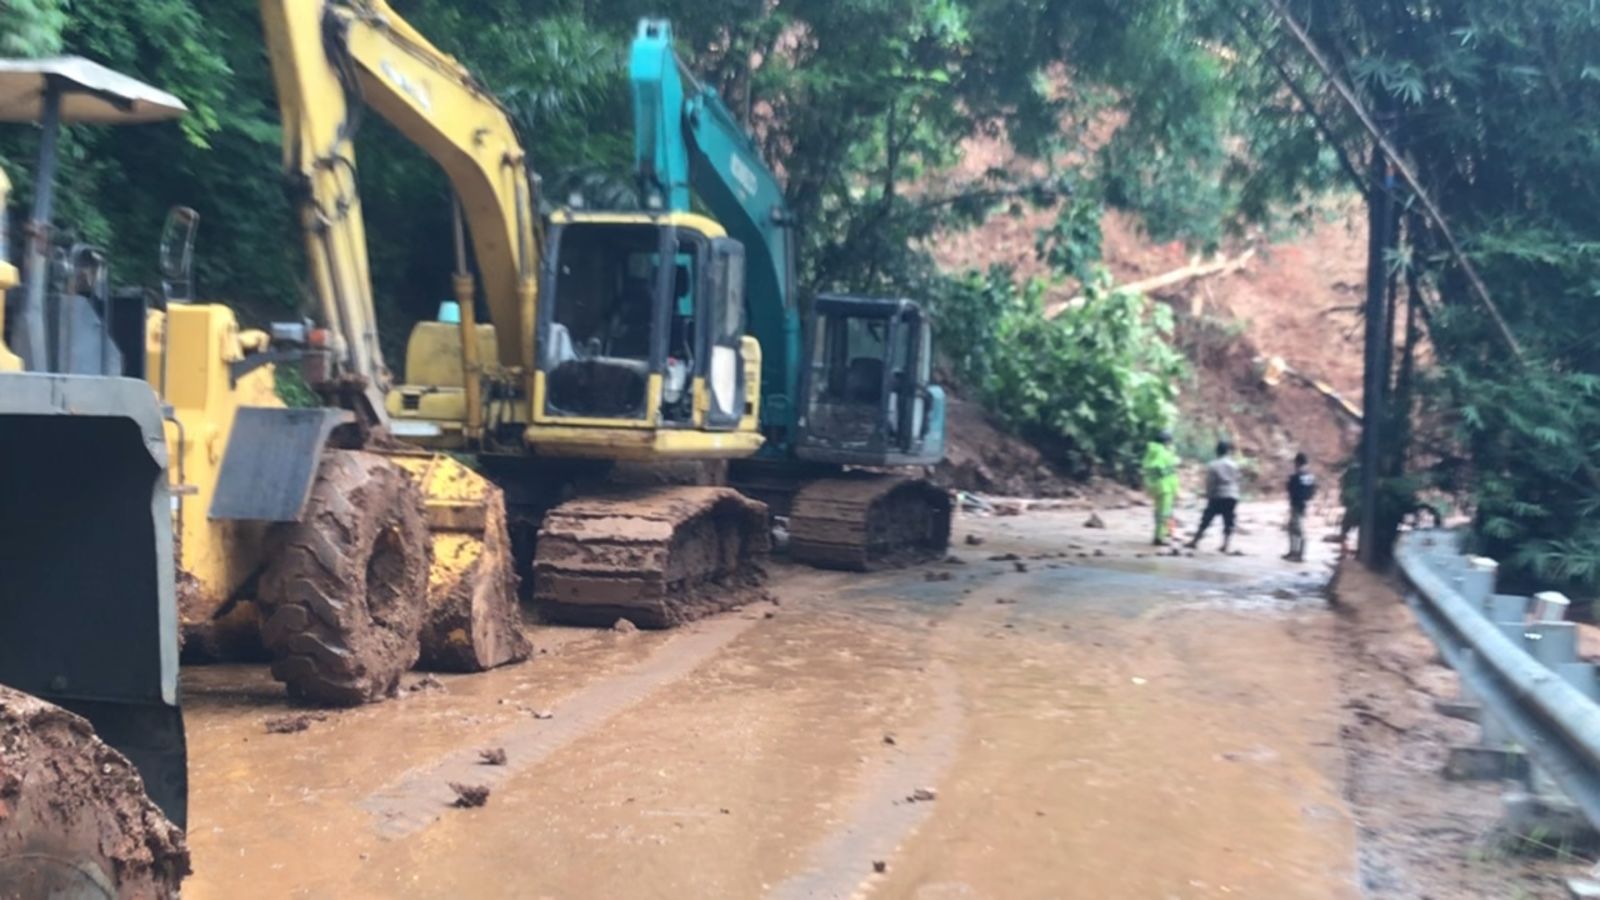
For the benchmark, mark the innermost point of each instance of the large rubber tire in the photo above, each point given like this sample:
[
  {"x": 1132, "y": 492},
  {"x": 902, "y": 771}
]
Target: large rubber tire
[
  {"x": 74, "y": 818},
  {"x": 346, "y": 593}
]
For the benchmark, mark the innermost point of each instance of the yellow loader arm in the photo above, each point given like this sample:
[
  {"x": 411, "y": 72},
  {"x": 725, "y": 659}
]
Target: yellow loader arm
[{"x": 331, "y": 59}]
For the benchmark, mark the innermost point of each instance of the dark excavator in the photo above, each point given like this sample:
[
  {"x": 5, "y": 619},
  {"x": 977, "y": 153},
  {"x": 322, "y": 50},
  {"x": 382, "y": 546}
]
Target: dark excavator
[{"x": 846, "y": 399}]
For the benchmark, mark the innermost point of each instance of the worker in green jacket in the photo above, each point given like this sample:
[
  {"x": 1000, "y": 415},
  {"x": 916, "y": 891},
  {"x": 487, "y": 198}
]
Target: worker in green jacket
[{"x": 1161, "y": 480}]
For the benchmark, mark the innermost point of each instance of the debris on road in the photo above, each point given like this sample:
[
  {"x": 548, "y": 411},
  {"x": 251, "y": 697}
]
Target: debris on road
[
  {"x": 923, "y": 795},
  {"x": 494, "y": 756},
  {"x": 1020, "y": 566},
  {"x": 879, "y": 866},
  {"x": 1094, "y": 521},
  {"x": 954, "y": 560},
  {"x": 425, "y": 683},
  {"x": 1005, "y": 557},
  {"x": 469, "y": 796},
  {"x": 544, "y": 714},
  {"x": 293, "y": 723},
  {"x": 889, "y": 739},
  {"x": 974, "y": 540},
  {"x": 1003, "y": 601},
  {"x": 937, "y": 576}
]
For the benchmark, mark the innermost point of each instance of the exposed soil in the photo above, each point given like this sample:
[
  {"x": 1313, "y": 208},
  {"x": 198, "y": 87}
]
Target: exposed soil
[
  {"x": 1295, "y": 300},
  {"x": 981, "y": 456},
  {"x": 73, "y": 813}
]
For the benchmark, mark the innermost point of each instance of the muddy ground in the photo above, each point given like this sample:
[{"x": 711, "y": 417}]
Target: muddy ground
[{"x": 1085, "y": 720}]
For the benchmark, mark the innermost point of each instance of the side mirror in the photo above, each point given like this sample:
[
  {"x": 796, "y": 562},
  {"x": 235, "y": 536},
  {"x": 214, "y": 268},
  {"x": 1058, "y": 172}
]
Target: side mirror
[{"x": 177, "y": 254}]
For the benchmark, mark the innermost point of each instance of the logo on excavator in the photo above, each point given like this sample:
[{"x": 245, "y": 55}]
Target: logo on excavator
[
  {"x": 416, "y": 90},
  {"x": 743, "y": 175}
]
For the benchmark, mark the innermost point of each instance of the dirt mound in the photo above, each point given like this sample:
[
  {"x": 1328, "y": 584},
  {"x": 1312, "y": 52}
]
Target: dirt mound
[
  {"x": 74, "y": 818},
  {"x": 982, "y": 457}
]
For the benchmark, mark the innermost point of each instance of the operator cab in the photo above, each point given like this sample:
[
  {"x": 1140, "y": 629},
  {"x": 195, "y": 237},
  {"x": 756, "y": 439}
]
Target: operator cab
[
  {"x": 642, "y": 323},
  {"x": 867, "y": 395}
]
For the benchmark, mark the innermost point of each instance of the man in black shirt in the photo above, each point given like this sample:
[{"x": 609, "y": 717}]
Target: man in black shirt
[{"x": 1302, "y": 485}]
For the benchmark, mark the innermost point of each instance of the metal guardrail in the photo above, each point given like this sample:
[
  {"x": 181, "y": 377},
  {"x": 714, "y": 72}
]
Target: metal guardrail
[{"x": 1519, "y": 667}]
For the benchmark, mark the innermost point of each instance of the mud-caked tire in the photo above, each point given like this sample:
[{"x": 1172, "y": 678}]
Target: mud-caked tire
[
  {"x": 74, "y": 817},
  {"x": 346, "y": 591}
]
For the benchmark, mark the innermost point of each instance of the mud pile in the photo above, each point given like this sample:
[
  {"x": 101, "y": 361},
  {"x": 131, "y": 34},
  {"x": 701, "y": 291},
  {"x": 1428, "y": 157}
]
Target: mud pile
[{"x": 74, "y": 818}]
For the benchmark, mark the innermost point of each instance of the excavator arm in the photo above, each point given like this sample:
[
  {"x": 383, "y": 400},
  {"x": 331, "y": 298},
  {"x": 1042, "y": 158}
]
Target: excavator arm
[
  {"x": 332, "y": 61},
  {"x": 685, "y": 138}
]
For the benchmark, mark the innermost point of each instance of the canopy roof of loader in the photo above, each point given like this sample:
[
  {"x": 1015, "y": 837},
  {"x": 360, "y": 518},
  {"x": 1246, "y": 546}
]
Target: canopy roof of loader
[{"x": 90, "y": 92}]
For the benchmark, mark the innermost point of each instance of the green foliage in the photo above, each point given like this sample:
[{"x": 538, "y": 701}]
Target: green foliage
[
  {"x": 30, "y": 28},
  {"x": 1098, "y": 380}
]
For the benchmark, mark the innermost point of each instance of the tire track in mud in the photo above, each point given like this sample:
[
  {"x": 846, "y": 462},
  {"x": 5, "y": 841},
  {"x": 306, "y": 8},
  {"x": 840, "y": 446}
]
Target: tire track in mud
[
  {"x": 421, "y": 796},
  {"x": 881, "y": 818}
]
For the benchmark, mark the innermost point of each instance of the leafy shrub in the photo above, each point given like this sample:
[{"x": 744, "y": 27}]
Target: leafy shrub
[{"x": 1099, "y": 379}]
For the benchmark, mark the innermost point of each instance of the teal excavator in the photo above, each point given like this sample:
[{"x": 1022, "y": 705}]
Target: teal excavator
[{"x": 846, "y": 399}]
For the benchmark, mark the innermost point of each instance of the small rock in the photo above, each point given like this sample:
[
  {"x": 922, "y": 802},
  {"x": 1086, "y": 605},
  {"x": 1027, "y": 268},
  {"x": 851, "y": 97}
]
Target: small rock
[
  {"x": 624, "y": 626},
  {"x": 923, "y": 795},
  {"x": 937, "y": 576},
  {"x": 1005, "y": 557},
  {"x": 973, "y": 540},
  {"x": 953, "y": 560},
  {"x": 1284, "y": 594},
  {"x": 1004, "y": 601},
  {"x": 544, "y": 713},
  {"x": 470, "y": 796},
  {"x": 769, "y": 614},
  {"x": 1020, "y": 566},
  {"x": 889, "y": 739},
  {"x": 495, "y": 756},
  {"x": 425, "y": 683},
  {"x": 725, "y": 811},
  {"x": 879, "y": 866},
  {"x": 294, "y": 723},
  {"x": 1094, "y": 521},
  {"x": 1099, "y": 552}
]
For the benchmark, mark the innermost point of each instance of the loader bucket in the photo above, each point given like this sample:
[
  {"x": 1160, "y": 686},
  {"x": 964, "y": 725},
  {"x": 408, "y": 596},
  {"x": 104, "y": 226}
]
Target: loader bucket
[{"x": 87, "y": 610}]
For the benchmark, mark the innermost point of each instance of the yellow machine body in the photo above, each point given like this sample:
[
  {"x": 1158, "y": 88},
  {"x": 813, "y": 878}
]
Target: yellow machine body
[
  {"x": 9, "y": 362},
  {"x": 430, "y": 409},
  {"x": 191, "y": 347}
]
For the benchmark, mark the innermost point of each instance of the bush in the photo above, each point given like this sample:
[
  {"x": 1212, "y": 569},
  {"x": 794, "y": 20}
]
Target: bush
[{"x": 1099, "y": 379}]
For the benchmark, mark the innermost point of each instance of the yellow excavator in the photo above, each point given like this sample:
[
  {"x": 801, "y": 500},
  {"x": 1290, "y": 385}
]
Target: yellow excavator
[{"x": 646, "y": 360}]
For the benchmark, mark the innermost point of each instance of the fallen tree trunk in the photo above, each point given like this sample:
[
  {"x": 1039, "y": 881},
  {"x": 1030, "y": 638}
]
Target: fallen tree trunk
[{"x": 1195, "y": 270}]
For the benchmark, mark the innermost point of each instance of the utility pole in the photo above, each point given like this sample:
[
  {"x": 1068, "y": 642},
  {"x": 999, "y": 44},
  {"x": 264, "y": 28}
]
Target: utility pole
[{"x": 1375, "y": 390}]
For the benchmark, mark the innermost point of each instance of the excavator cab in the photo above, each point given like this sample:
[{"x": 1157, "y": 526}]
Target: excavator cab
[
  {"x": 866, "y": 390},
  {"x": 641, "y": 344}
]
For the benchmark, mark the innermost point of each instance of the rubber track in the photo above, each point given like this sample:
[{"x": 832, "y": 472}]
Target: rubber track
[
  {"x": 866, "y": 520},
  {"x": 658, "y": 556}
]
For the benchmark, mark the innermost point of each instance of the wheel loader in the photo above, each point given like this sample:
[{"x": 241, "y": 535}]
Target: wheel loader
[{"x": 93, "y": 783}]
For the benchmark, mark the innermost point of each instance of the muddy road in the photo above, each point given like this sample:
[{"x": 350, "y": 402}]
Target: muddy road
[{"x": 1082, "y": 721}]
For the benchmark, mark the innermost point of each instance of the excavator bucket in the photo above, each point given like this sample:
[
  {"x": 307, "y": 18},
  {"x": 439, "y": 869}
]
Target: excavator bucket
[
  {"x": 88, "y": 620},
  {"x": 473, "y": 619}
]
